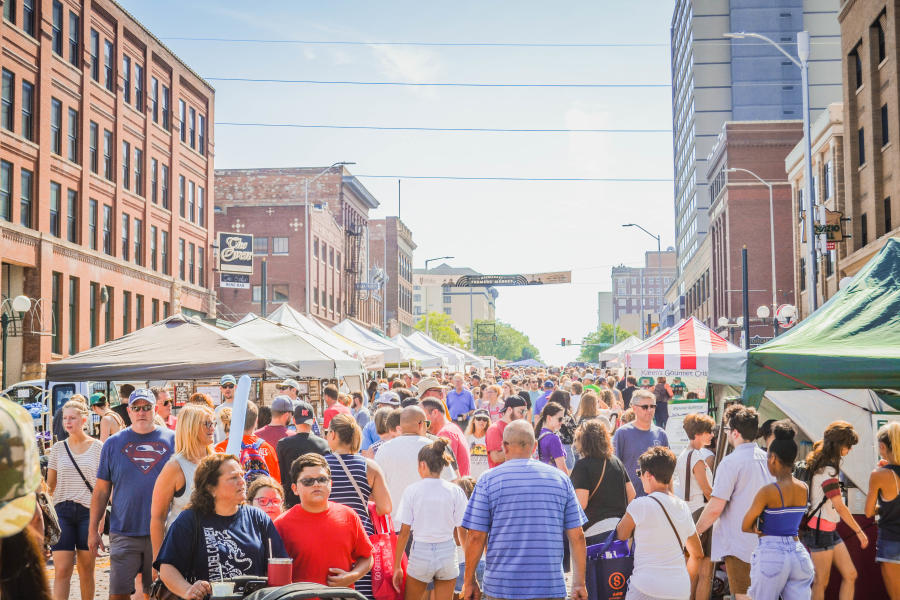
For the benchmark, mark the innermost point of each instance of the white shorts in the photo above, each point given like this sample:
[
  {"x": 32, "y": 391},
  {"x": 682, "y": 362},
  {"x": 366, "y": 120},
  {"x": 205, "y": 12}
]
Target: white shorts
[{"x": 433, "y": 561}]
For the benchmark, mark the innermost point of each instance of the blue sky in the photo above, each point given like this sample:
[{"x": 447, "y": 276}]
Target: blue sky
[{"x": 493, "y": 227}]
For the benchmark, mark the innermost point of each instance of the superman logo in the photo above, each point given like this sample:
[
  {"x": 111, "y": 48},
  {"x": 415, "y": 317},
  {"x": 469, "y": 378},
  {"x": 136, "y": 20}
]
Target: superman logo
[{"x": 145, "y": 455}]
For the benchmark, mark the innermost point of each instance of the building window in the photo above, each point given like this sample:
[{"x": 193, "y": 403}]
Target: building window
[
  {"x": 316, "y": 248},
  {"x": 26, "y": 179},
  {"x": 315, "y": 295},
  {"x": 857, "y": 66},
  {"x": 7, "y": 106},
  {"x": 166, "y": 310},
  {"x": 126, "y": 79},
  {"x": 201, "y": 130},
  {"x": 72, "y": 217},
  {"x": 164, "y": 184},
  {"x": 324, "y": 253},
  {"x": 192, "y": 190},
  {"x": 139, "y": 242},
  {"x": 73, "y": 315},
  {"x": 92, "y": 223},
  {"x": 864, "y": 229},
  {"x": 201, "y": 266},
  {"x": 5, "y": 190},
  {"x": 107, "y": 155},
  {"x": 828, "y": 180},
  {"x": 154, "y": 99},
  {"x": 256, "y": 294},
  {"x": 182, "y": 120},
  {"x": 154, "y": 234},
  {"x": 126, "y": 165},
  {"x": 95, "y": 62},
  {"x": 126, "y": 312},
  {"x": 108, "y": 314},
  {"x": 279, "y": 292},
  {"x": 28, "y": 17},
  {"x": 55, "y": 198},
  {"x": 154, "y": 310},
  {"x": 108, "y": 66},
  {"x": 9, "y": 11},
  {"x": 181, "y": 193},
  {"x": 154, "y": 169},
  {"x": 57, "y": 36},
  {"x": 192, "y": 127},
  {"x": 201, "y": 205},
  {"x": 56, "y": 301},
  {"x": 331, "y": 256},
  {"x": 73, "y": 136},
  {"x": 139, "y": 87},
  {"x": 164, "y": 252},
  {"x": 92, "y": 301},
  {"x": 74, "y": 37},
  {"x": 126, "y": 229},
  {"x": 279, "y": 245},
  {"x": 191, "y": 250},
  {"x": 166, "y": 96},
  {"x": 55, "y": 126},
  {"x": 260, "y": 245},
  {"x": 885, "y": 133},
  {"x": 879, "y": 37},
  {"x": 181, "y": 264},
  {"x": 138, "y": 172},
  {"x": 94, "y": 157},
  {"x": 107, "y": 229},
  {"x": 28, "y": 111},
  {"x": 861, "y": 142},
  {"x": 138, "y": 311},
  {"x": 888, "y": 226}
]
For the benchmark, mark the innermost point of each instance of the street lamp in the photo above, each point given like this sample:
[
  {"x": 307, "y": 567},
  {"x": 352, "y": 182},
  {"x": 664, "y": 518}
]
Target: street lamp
[
  {"x": 658, "y": 266},
  {"x": 428, "y": 260},
  {"x": 18, "y": 304},
  {"x": 811, "y": 205},
  {"x": 306, "y": 221}
]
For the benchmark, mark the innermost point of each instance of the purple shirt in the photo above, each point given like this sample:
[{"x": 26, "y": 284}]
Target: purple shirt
[
  {"x": 549, "y": 447},
  {"x": 460, "y": 404},
  {"x": 541, "y": 402}
]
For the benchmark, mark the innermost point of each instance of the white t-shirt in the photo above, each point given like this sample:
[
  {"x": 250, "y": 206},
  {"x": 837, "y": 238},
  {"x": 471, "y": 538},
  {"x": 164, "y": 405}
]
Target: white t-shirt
[
  {"x": 432, "y": 508},
  {"x": 399, "y": 459},
  {"x": 478, "y": 462},
  {"x": 696, "y": 500},
  {"x": 659, "y": 566},
  {"x": 828, "y": 512},
  {"x": 574, "y": 402}
]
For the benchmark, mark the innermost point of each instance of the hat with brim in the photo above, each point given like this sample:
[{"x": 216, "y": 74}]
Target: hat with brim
[
  {"x": 20, "y": 471},
  {"x": 429, "y": 383}
]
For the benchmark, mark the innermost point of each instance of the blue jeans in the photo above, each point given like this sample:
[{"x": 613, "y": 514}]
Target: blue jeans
[{"x": 780, "y": 567}]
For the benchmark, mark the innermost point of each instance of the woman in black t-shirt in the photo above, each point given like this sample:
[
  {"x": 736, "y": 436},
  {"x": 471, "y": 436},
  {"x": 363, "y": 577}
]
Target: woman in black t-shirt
[{"x": 601, "y": 484}]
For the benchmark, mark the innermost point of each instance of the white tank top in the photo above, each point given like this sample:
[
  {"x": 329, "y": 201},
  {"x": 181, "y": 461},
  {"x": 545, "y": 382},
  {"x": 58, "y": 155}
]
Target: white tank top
[{"x": 179, "y": 503}]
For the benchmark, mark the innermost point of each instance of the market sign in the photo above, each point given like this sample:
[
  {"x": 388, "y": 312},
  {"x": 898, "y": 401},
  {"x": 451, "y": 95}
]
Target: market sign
[
  {"x": 833, "y": 229},
  {"x": 512, "y": 280},
  {"x": 235, "y": 253},
  {"x": 236, "y": 281}
]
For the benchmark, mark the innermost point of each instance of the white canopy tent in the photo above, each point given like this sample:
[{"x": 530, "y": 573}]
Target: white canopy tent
[
  {"x": 455, "y": 360},
  {"x": 393, "y": 354},
  {"x": 617, "y": 351},
  {"x": 425, "y": 358},
  {"x": 473, "y": 360}
]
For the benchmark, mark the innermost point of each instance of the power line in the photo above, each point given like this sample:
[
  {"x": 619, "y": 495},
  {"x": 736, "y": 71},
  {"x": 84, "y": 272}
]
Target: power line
[
  {"x": 433, "y": 44},
  {"x": 460, "y": 129},
  {"x": 501, "y": 178},
  {"x": 443, "y": 84}
]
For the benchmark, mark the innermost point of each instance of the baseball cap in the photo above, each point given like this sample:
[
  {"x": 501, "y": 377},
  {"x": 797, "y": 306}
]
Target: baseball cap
[
  {"x": 97, "y": 398},
  {"x": 291, "y": 383},
  {"x": 429, "y": 383},
  {"x": 383, "y": 386},
  {"x": 548, "y": 384},
  {"x": 481, "y": 414},
  {"x": 282, "y": 404},
  {"x": 228, "y": 379},
  {"x": 303, "y": 412},
  {"x": 513, "y": 402},
  {"x": 141, "y": 394},
  {"x": 390, "y": 398},
  {"x": 20, "y": 471},
  {"x": 587, "y": 376}
]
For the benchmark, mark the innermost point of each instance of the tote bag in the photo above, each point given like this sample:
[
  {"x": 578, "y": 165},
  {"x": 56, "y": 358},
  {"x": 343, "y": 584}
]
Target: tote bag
[{"x": 609, "y": 566}]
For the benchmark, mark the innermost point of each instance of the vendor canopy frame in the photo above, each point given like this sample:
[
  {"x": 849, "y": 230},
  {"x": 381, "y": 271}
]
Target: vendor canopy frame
[
  {"x": 456, "y": 360},
  {"x": 393, "y": 354},
  {"x": 179, "y": 347},
  {"x": 426, "y": 358},
  {"x": 682, "y": 350}
]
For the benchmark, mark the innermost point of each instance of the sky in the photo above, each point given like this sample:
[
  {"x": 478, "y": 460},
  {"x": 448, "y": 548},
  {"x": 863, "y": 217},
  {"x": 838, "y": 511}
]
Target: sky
[{"x": 491, "y": 226}]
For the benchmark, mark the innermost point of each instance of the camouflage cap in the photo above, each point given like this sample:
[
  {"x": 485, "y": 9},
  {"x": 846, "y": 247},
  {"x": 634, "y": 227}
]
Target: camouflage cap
[{"x": 20, "y": 471}]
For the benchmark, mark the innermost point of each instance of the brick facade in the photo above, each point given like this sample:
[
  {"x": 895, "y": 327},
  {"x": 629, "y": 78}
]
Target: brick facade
[
  {"x": 85, "y": 204},
  {"x": 392, "y": 249}
]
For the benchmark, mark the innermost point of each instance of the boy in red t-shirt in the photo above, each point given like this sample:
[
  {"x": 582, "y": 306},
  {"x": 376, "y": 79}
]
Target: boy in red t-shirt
[
  {"x": 348, "y": 554},
  {"x": 265, "y": 449},
  {"x": 332, "y": 406}
]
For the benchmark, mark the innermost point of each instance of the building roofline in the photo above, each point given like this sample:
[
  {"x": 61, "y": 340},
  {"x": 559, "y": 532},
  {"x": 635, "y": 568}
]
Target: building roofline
[{"x": 360, "y": 190}]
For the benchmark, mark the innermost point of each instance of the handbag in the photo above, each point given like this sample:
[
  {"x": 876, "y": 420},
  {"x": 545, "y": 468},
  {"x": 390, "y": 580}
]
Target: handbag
[
  {"x": 108, "y": 513},
  {"x": 608, "y": 568},
  {"x": 384, "y": 542},
  {"x": 52, "y": 530},
  {"x": 159, "y": 591}
]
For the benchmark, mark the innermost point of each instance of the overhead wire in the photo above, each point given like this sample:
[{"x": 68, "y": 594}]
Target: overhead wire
[{"x": 437, "y": 129}]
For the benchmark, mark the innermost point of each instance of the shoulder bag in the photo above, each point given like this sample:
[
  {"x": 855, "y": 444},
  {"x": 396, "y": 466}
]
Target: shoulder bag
[
  {"x": 108, "y": 512},
  {"x": 669, "y": 519}
]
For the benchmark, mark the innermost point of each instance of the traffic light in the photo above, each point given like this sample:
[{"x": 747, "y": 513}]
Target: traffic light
[{"x": 563, "y": 342}]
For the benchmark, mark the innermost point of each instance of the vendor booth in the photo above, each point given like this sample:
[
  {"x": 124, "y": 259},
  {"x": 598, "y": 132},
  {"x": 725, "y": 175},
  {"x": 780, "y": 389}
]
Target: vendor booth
[
  {"x": 394, "y": 355},
  {"x": 426, "y": 359},
  {"x": 456, "y": 360},
  {"x": 618, "y": 350}
]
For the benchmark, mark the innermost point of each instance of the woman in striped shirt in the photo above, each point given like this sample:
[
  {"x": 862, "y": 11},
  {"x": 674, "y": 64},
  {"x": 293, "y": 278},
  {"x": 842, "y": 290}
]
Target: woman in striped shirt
[{"x": 355, "y": 480}]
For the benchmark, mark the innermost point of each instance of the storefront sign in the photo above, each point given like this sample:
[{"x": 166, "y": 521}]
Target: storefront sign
[
  {"x": 833, "y": 227},
  {"x": 237, "y": 281},
  {"x": 235, "y": 252}
]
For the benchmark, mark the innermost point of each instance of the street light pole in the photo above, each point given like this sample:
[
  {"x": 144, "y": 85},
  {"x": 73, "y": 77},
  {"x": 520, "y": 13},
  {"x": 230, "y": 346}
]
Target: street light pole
[
  {"x": 306, "y": 222},
  {"x": 658, "y": 266},
  {"x": 427, "y": 321},
  {"x": 811, "y": 204},
  {"x": 771, "y": 228}
]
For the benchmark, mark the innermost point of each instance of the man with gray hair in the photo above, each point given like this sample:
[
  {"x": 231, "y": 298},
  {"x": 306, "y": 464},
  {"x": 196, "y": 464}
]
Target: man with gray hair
[
  {"x": 524, "y": 559},
  {"x": 633, "y": 439}
]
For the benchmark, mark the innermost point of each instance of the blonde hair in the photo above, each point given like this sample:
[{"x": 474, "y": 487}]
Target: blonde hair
[
  {"x": 889, "y": 435},
  {"x": 347, "y": 431},
  {"x": 76, "y": 402},
  {"x": 189, "y": 429},
  {"x": 225, "y": 419},
  {"x": 345, "y": 399}
]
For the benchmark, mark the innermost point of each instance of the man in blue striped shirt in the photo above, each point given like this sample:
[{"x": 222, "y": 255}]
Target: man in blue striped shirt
[{"x": 521, "y": 510}]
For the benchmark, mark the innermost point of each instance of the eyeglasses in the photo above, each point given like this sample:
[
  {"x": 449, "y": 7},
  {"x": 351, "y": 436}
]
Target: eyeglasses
[
  {"x": 311, "y": 481},
  {"x": 639, "y": 472},
  {"x": 141, "y": 408},
  {"x": 269, "y": 501},
  {"x": 208, "y": 424},
  {"x": 645, "y": 406},
  {"x": 228, "y": 386}
]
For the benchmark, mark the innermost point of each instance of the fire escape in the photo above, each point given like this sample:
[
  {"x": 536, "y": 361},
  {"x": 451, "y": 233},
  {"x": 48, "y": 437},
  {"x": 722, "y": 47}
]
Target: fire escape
[{"x": 351, "y": 267}]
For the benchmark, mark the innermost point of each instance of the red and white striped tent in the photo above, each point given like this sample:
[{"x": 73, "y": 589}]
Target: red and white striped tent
[{"x": 683, "y": 350}]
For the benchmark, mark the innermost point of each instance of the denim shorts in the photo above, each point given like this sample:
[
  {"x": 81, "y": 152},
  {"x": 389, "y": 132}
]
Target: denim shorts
[
  {"x": 887, "y": 551},
  {"x": 74, "y": 522},
  {"x": 433, "y": 561},
  {"x": 827, "y": 540},
  {"x": 780, "y": 568},
  {"x": 479, "y": 575}
]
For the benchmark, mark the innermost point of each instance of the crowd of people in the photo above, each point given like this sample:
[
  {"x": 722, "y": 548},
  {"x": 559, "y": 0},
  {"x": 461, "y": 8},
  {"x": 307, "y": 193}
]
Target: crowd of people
[{"x": 494, "y": 483}]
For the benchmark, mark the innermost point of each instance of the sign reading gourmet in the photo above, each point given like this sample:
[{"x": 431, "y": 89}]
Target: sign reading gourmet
[{"x": 235, "y": 252}]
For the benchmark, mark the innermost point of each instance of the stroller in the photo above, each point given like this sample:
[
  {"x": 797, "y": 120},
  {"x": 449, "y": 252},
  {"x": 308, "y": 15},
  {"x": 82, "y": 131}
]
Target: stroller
[{"x": 248, "y": 587}]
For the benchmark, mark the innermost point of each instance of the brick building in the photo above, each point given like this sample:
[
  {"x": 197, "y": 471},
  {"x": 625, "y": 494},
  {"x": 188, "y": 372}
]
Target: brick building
[
  {"x": 639, "y": 291},
  {"x": 269, "y": 203},
  {"x": 739, "y": 216},
  {"x": 392, "y": 247},
  {"x": 105, "y": 170},
  {"x": 871, "y": 164}
]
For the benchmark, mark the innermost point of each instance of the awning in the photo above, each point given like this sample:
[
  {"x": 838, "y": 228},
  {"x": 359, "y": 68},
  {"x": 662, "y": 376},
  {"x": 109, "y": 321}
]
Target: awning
[
  {"x": 393, "y": 354},
  {"x": 455, "y": 360},
  {"x": 425, "y": 358},
  {"x": 683, "y": 350}
]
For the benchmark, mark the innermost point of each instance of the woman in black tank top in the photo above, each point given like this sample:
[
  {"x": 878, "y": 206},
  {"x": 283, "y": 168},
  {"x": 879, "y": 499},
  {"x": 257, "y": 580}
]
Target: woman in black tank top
[{"x": 884, "y": 491}]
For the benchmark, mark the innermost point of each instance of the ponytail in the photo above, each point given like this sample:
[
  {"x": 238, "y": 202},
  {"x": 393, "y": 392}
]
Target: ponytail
[
  {"x": 550, "y": 409},
  {"x": 434, "y": 455}
]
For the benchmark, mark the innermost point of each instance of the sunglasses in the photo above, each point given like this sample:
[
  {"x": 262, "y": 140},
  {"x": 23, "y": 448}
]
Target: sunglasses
[
  {"x": 646, "y": 406},
  {"x": 268, "y": 501},
  {"x": 141, "y": 408},
  {"x": 482, "y": 418},
  {"x": 208, "y": 424},
  {"x": 639, "y": 472},
  {"x": 228, "y": 386},
  {"x": 311, "y": 481}
]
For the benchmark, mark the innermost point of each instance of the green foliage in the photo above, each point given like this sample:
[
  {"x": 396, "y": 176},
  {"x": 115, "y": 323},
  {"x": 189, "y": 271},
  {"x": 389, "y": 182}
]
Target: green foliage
[
  {"x": 510, "y": 343},
  {"x": 441, "y": 328},
  {"x": 604, "y": 335}
]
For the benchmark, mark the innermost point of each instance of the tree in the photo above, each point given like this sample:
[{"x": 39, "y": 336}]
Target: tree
[
  {"x": 510, "y": 343},
  {"x": 590, "y": 345},
  {"x": 441, "y": 328}
]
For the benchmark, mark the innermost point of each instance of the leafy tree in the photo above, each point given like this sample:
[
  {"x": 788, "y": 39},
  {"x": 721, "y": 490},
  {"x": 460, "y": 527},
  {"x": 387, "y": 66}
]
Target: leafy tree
[
  {"x": 590, "y": 347},
  {"x": 441, "y": 327},
  {"x": 511, "y": 344}
]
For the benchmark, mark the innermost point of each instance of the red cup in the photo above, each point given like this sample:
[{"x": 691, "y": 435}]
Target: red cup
[{"x": 280, "y": 571}]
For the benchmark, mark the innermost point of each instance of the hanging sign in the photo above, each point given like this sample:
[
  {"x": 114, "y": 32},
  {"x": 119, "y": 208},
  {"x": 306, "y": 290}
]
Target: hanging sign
[{"x": 235, "y": 252}]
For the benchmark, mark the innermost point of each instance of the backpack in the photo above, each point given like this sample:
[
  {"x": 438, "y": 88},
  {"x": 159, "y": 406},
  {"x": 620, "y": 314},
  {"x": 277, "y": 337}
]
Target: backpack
[
  {"x": 537, "y": 449},
  {"x": 801, "y": 472},
  {"x": 252, "y": 461}
]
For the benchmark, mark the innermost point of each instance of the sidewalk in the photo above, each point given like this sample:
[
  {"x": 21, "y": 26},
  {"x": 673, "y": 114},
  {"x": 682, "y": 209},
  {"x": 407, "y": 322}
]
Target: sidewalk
[{"x": 101, "y": 578}]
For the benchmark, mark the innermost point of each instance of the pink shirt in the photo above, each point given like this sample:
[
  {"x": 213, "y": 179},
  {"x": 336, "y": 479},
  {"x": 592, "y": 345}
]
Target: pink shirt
[{"x": 458, "y": 444}]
